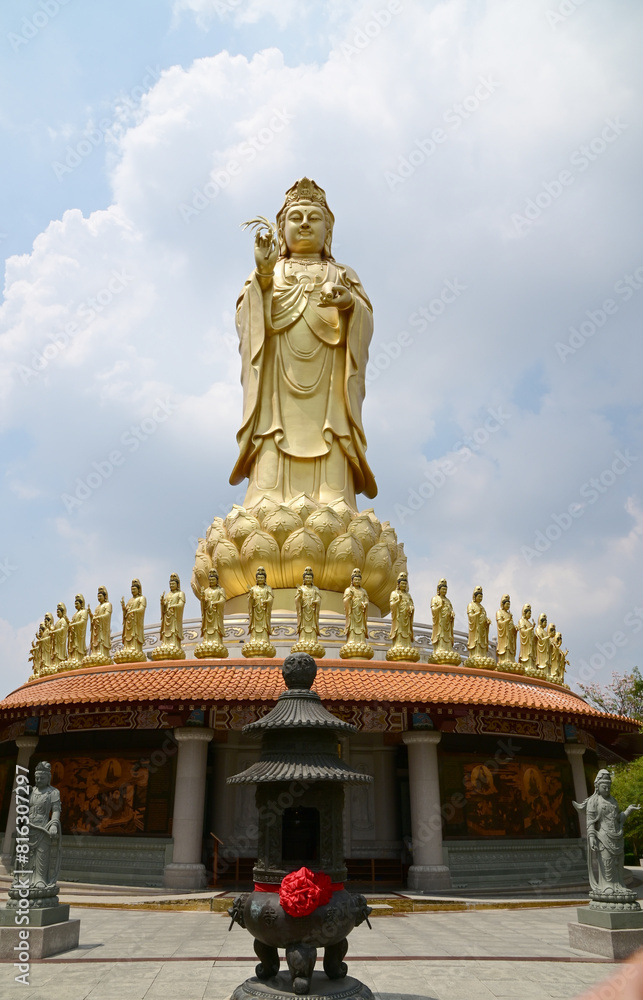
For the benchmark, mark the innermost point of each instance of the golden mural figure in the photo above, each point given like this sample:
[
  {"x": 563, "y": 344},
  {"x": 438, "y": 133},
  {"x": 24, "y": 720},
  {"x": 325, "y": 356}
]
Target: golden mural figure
[
  {"x": 77, "y": 636},
  {"x": 527, "y": 628},
  {"x": 260, "y": 600},
  {"x": 356, "y": 609},
  {"x": 308, "y": 606},
  {"x": 507, "y": 632},
  {"x": 59, "y": 636},
  {"x": 478, "y": 642},
  {"x": 402, "y": 615},
  {"x": 133, "y": 627},
  {"x": 442, "y": 634},
  {"x": 100, "y": 632},
  {"x": 305, "y": 324},
  {"x": 171, "y": 634},
  {"x": 212, "y": 625}
]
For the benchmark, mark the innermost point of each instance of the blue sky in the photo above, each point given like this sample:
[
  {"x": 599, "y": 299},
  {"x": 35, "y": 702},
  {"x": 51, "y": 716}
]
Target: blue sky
[{"x": 494, "y": 146}]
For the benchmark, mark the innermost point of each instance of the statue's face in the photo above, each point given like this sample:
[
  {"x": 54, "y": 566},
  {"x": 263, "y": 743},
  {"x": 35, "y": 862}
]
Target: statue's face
[
  {"x": 542, "y": 621},
  {"x": 506, "y": 604},
  {"x": 308, "y": 579},
  {"x": 59, "y": 610},
  {"x": 442, "y": 590},
  {"x": 78, "y": 604},
  {"x": 41, "y": 629},
  {"x": 49, "y": 620},
  {"x": 603, "y": 788},
  {"x": 173, "y": 584},
  {"x": 527, "y": 611},
  {"x": 403, "y": 585},
  {"x": 261, "y": 579},
  {"x": 102, "y": 596},
  {"x": 356, "y": 579},
  {"x": 305, "y": 229},
  {"x": 213, "y": 578},
  {"x": 478, "y": 597},
  {"x": 135, "y": 590},
  {"x": 552, "y": 630},
  {"x": 41, "y": 778}
]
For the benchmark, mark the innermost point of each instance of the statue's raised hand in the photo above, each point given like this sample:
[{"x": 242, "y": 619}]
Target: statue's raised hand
[
  {"x": 335, "y": 295},
  {"x": 630, "y": 809},
  {"x": 266, "y": 251}
]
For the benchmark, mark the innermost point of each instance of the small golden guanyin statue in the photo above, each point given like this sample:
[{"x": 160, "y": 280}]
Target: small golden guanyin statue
[
  {"x": 507, "y": 632},
  {"x": 527, "y": 627},
  {"x": 308, "y": 606},
  {"x": 442, "y": 634},
  {"x": 100, "y": 632},
  {"x": 543, "y": 647},
  {"x": 356, "y": 608},
  {"x": 171, "y": 633},
  {"x": 212, "y": 625},
  {"x": 133, "y": 627},
  {"x": 47, "y": 644},
  {"x": 77, "y": 635},
  {"x": 558, "y": 660},
  {"x": 478, "y": 642},
  {"x": 402, "y": 614},
  {"x": 60, "y": 631},
  {"x": 260, "y": 598},
  {"x": 35, "y": 653}
]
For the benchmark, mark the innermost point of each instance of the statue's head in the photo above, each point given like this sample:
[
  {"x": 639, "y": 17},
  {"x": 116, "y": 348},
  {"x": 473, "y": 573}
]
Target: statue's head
[
  {"x": 542, "y": 621},
  {"x": 526, "y": 611},
  {"x": 41, "y": 629},
  {"x": 213, "y": 578},
  {"x": 61, "y": 609},
  {"x": 137, "y": 590},
  {"x": 552, "y": 630},
  {"x": 505, "y": 602},
  {"x": 477, "y": 595},
  {"x": 356, "y": 577},
  {"x": 49, "y": 620},
  {"x": 442, "y": 587},
  {"x": 102, "y": 595},
  {"x": 559, "y": 638},
  {"x": 603, "y": 783},
  {"x": 260, "y": 576},
  {"x": 79, "y": 602},
  {"x": 42, "y": 774},
  {"x": 304, "y": 221},
  {"x": 175, "y": 583},
  {"x": 403, "y": 582},
  {"x": 308, "y": 576}
]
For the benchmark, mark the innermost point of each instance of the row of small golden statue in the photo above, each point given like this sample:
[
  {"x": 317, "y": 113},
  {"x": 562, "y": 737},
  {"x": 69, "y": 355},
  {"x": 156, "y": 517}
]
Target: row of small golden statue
[{"x": 61, "y": 645}]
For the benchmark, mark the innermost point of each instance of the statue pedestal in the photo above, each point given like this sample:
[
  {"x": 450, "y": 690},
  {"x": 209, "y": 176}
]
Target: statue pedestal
[
  {"x": 50, "y": 932},
  {"x": 611, "y": 933},
  {"x": 280, "y": 986}
]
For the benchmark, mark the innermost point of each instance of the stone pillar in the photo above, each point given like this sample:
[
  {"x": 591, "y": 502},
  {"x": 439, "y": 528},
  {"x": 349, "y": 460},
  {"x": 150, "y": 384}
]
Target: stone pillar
[
  {"x": 186, "y": 870},
  {"x": 428, "y": 870},
  {"x": 26, "y": 746},
  {"x": 386, "y": 812},
  {"x": 575, "y": 753}
]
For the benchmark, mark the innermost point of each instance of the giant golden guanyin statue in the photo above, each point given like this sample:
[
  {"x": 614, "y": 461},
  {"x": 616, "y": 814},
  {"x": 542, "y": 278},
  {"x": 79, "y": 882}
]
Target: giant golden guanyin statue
[{"x": 304, "y": 324}]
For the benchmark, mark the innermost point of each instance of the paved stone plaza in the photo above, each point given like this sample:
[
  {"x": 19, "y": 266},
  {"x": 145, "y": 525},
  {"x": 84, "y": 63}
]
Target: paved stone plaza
[{"x": 128, "y": 954}]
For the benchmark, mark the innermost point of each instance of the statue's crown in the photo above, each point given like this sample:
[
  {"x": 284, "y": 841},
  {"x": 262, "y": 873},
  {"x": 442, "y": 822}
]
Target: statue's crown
[
  {"x": 305, "y": 190},
  {"x": 44, "y": 765}
]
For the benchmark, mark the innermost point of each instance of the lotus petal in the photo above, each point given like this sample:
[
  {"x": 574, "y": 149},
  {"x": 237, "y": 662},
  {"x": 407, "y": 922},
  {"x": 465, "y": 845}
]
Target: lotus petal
[
  {"x": 239, "y": 524},
  {"x": 344, "y": 510},
  {"x": 364, "y": 529},
  {"x": 304, "y": 506},
  {"x": 376, "y": 575},
  {"x": 281, "y": 523},
  {"x": 202, "y": 566},
  {"x": 302, "y": 549},
  {"x": 342, "y": 556},
  {"x": 227, "y": 564},
  {"x": 265, "y": 506},
  {"x": 261, "y": 549},
  {"x": 327, "y": 524}
]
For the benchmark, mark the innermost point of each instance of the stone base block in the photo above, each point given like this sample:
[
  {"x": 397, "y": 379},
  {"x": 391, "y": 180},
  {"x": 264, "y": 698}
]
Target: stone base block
[
  {"x": 280, "y": 986},
  {"x": 43, "y": 941},
  {"x": 615, "y": 920},
  {"x": 179, "y": 876},
  {"x": 42, "y": 916},
  {"x": 423, "y": 878},
  {"x": 604, "y": 941}
]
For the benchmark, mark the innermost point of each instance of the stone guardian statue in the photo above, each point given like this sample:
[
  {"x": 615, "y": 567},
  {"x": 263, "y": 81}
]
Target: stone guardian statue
[{"x": 605, "y": 843}]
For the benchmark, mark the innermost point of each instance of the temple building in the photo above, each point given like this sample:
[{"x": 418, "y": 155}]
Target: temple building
[{"x": 476, "y": 746}]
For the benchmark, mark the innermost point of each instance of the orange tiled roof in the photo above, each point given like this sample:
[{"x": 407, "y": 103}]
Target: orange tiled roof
[{"x": 337, "y": 681}]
